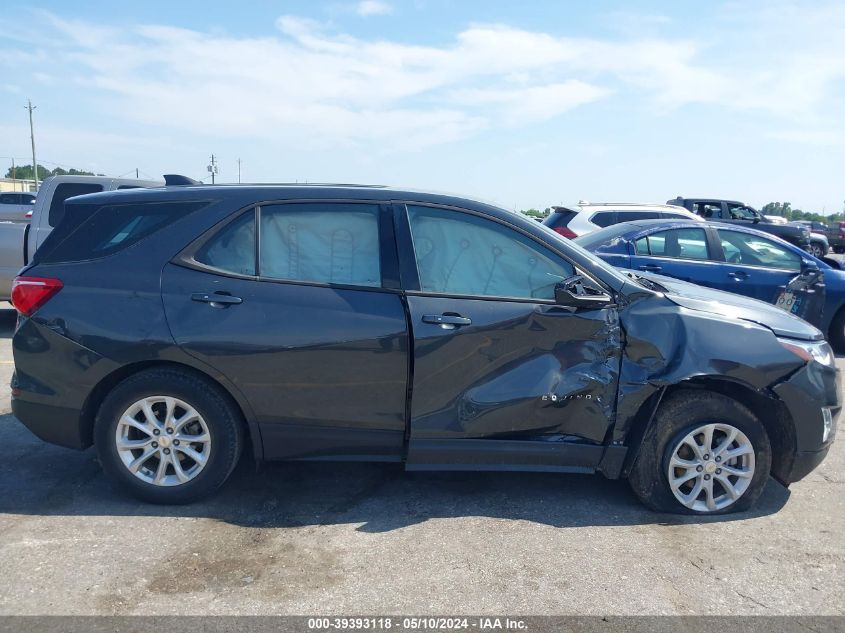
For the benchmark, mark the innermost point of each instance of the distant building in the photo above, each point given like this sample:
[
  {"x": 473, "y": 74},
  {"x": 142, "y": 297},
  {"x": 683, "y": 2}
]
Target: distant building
[{"x": 17, "y": 184}]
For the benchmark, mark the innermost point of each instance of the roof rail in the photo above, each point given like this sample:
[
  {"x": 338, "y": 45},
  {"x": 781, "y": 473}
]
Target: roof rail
[{"x": 173, "y": 180}]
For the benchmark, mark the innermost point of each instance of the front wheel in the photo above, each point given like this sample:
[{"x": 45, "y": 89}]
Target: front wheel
[
  {"x": 704, "y": 454},
  {"x": 168, "y": 436},
  {"x": 816, "y": 250}
]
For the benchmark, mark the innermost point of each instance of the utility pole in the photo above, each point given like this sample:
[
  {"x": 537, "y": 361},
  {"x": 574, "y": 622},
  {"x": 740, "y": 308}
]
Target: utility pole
[
  {"x": 15, "y": 176},
  {"x": 212, "y": 168},
  {"x": 31, "y": 107},
  {"x": 239, "y": 171},
  {"x": 136, "y": 173}
]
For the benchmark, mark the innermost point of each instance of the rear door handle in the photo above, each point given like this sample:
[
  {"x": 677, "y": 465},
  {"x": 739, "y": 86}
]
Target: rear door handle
[
  {"x": 738, "y": 275},
  {"x": 215, "y": 299},
  {"x": 651, "y": 268},
  {"x": 446, "y": 319}
]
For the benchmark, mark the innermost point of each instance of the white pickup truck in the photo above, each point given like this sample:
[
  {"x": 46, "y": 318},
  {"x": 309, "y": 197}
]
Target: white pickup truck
[{"x": 18, "y": 240}]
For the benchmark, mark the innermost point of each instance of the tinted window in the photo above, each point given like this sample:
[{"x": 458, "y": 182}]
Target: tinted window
[
  {"x": 741, "y": 212},
  {"x": 333, "y": 243},
  {"x": 64, "y": 191},
  {"x": 633, "y": 216},
  {"x": 753, "y": 250},
  {"x": 93, "y": 231},
  {"x": 8, "y": 198},
  {"x": 233, "y": 248},
  {"x": 130, "y": 187},
  {"x": 676, "y": 243},
  {"x": 604, "y": 218},
  {"x": 708, "y": 209},
  {"x": 463, "y": 254}
]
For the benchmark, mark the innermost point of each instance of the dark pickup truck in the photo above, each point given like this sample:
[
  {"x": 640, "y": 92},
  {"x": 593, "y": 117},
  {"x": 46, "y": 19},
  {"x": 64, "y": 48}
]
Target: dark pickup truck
[{"x": 733, "y": 212}]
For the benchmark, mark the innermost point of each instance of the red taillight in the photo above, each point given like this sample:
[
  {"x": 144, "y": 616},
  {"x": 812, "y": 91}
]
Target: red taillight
[
  {"x": 565, "y": 231},
  {"x": 28, "y": 214},
  {"x": 30, "y": 293}
]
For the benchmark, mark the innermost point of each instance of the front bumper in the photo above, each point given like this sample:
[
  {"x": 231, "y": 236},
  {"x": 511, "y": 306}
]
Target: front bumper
[{"x": 805, "y": 394}]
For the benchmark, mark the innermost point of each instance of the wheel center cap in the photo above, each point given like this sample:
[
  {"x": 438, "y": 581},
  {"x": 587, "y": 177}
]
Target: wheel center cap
[
  {"x": 710, "y": 468},
  {"x": 164, "y": 441}
]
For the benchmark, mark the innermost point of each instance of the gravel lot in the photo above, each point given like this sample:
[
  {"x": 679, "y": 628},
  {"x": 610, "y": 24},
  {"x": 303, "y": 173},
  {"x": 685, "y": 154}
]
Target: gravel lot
[{"x": 357, "y": 538}]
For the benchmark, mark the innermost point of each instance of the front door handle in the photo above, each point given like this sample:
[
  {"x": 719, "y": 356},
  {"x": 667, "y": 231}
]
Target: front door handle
[
  {"x": 215, "y": 299},
  {"x": 446, "y": 319},
  {"x": 651, "y": 268},
  {"x": 738, "y": 275}
]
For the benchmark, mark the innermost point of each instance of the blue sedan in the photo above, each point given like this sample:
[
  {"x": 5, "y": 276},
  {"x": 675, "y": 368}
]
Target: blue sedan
[{"x": 721, "y": 256}]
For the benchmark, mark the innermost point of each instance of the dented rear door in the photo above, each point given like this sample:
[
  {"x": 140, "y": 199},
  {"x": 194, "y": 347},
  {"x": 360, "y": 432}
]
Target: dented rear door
[{"x": 494, "y": 358}]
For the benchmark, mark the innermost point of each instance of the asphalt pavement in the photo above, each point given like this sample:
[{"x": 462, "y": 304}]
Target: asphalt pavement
[{"x": 373, "y": 539}]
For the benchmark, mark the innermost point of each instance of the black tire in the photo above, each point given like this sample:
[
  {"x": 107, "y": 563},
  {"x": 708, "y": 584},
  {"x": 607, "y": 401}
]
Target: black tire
[
  {"x": 223, "y": 419},
  {"x": 817, "y": 249},
  {"x": 679, "y": 415}
]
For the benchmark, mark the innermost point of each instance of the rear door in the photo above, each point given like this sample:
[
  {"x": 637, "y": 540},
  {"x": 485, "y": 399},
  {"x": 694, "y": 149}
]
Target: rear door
[
  {"x": 756, "y": 266},
  {"x": 682, "y": 253},
  {"x": 298, "y": 305},
  {"x": 498, "y": 367}
]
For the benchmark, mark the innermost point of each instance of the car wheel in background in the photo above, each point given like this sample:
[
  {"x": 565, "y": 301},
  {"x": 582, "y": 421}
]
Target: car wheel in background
[
  {"x": 168, "y": 436},
  {"x": 704, "y": 454},
  {"x": 816, "y": 250}
]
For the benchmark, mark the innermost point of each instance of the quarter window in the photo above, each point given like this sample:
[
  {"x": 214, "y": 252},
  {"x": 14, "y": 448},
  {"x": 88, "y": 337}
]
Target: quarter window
[
  {"x": 463, "y": 254},
  {"x": 233, "y": 248},
  {"x": 604, "y": 218},
  {"x": 753, "y": 250}
]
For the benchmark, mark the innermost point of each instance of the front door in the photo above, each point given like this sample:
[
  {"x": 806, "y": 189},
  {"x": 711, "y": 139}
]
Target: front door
[
  {"x": 756, "y": 266},
  {"x": 497, "y": 365},
  {"x": 307, "y": 330}
]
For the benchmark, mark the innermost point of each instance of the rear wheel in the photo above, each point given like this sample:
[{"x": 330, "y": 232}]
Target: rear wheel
[
  {"x": 704, "y": 454},
  {"x": 168, "y": 436}
]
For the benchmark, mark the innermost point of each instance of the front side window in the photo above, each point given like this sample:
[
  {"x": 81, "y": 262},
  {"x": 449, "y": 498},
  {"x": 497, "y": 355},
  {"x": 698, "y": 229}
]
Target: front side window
[
  {"x": 753, "y": 250},
  {"x": 464, "y": 254},
  {"x": 741, "y": 212}
]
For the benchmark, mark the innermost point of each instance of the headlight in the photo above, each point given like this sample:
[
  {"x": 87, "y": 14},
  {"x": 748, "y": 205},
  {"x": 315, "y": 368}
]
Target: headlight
[{"x": 807, "y": 351}]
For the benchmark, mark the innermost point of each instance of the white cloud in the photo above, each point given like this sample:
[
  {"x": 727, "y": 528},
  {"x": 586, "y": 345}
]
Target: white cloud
[
  {"x": 311, "y": 85},
  {"x": 373, "y": 7}
]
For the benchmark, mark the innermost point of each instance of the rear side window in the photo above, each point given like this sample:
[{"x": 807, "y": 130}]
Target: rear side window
[
  {"x": 675, "y": 243},
  {"x": 604, "y": 218},
  {"x": 333, "y": 243},
  {"x": 64, "y": 191},
  {"x": 319, "y": 242},
  {"x": 95, "y": 231},
  {"x": 633, "y": 216}
]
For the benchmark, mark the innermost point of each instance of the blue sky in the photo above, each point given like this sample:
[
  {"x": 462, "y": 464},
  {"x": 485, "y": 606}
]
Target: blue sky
[{"x": 524, "y": 104}]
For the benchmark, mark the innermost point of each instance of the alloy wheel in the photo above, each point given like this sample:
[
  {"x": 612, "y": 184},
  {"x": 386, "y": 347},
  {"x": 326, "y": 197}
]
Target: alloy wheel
[
  {"x": 711, "y": 467},
  {"x": 816, "y": 250},
  {"x": 163, "y": 441}
]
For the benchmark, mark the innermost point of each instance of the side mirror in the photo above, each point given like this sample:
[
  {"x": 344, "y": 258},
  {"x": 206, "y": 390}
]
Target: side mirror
[
  {"x": 577, "y": 292},
  {"x": 808, "y": 266}
]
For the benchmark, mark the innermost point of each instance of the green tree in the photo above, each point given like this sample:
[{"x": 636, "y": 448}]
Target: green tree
[
  {"x": 24, "y": 172},
  {"x": 536, "y": 213}
]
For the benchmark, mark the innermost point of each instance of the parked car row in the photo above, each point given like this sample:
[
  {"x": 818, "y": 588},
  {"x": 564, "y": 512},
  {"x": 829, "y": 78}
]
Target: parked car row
[{"x": 172, "y": 326}]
